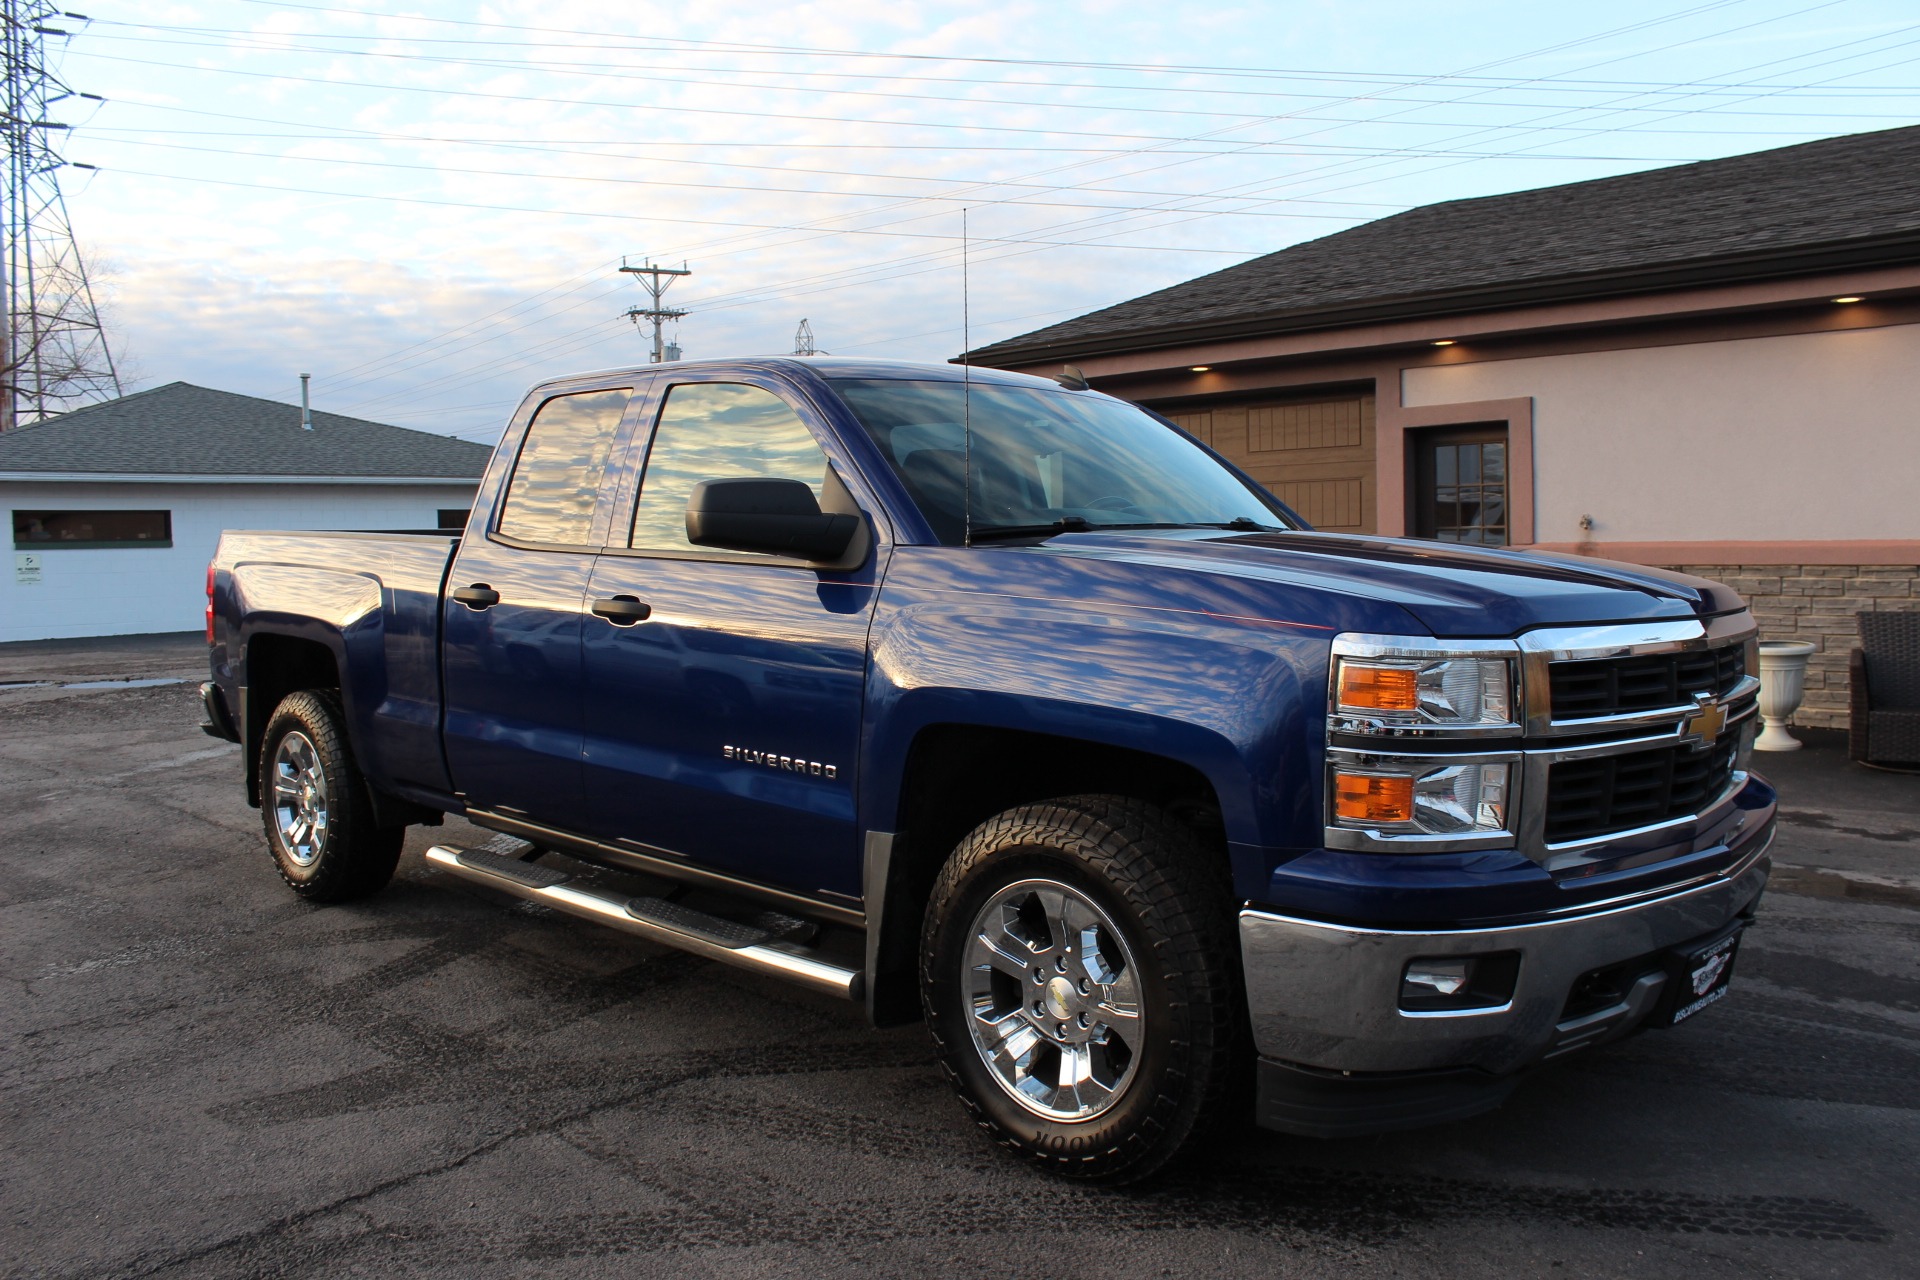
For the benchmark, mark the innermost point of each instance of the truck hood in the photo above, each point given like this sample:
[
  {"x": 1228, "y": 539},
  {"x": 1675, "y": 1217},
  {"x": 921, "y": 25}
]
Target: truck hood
[{"x": 1452, "y": 590}]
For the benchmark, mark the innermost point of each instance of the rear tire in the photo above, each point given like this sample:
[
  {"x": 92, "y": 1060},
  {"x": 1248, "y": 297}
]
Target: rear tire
[
  {"x": 316, "y": 807},
  {"x": 1080, "y": 979}
]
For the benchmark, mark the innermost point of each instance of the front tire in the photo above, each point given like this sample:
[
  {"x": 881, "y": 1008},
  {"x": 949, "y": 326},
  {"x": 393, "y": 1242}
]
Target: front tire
[
  {"x": 1080, "y": 981},
  {"x": 316, "y": 807}
]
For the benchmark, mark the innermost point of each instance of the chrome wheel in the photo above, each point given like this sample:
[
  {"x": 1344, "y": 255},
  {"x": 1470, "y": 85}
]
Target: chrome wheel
[
  {"x": 299, "y": 799},
  {"x": 1054, "y": 1000}
]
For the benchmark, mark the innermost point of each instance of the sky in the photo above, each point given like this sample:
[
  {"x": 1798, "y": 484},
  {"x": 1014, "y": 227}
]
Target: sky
[{"x": 426, "y": 205}]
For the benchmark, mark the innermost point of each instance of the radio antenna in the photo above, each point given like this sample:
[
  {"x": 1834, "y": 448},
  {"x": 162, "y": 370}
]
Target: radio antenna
[{"x": 966, "y": 391}]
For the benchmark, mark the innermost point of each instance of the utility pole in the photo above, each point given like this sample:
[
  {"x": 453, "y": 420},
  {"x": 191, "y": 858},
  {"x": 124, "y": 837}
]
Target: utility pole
[
  {"x": 53, "y": 351},
  {"x": 658, "y": 281}
]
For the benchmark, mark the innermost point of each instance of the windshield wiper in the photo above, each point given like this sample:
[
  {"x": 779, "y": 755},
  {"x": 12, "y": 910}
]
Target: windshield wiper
[
  {"x": 1080, "y": 524},
  {"x": 1239, "y": 524},
  {"x": 1066, "y": 524}
]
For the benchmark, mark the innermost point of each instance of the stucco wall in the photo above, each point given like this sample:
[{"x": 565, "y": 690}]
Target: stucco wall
[
  {"x": 124, "y": 592},
  {"x": 1803, "y": 437}
]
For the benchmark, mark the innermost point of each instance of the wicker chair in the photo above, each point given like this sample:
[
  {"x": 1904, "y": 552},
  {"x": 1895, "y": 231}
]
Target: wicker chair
[{"x": 1885, "y": 684}]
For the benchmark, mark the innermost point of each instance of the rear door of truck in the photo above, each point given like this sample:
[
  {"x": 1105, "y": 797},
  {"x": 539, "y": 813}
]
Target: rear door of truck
[{"x": 515, "y": 598}]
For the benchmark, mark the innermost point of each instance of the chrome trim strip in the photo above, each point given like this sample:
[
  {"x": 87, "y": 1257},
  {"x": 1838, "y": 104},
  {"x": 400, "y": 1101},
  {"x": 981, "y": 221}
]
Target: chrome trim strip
[
  {"x": 1455, "y": 1013},
  {"x": 609, "y": 909}
]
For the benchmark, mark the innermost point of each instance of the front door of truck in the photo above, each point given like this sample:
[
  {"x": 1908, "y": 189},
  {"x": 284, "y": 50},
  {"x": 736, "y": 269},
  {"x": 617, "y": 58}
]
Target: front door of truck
[
  {"x": 723, "y": 727},
  {"x": 515, "y": 598}
]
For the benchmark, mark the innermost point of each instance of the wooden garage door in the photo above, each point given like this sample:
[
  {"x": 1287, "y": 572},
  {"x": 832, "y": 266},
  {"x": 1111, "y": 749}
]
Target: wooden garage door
[{"x": 1316, "y": 455}]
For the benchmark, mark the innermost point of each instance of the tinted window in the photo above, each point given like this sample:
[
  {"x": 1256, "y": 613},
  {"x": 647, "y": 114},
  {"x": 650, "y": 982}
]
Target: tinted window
[
  {"x": 1038, "y": 457},
  {"x": 79, "y": 530},
  {"x": 714, "y": 431},
  {"x": 557, "y": 477}
]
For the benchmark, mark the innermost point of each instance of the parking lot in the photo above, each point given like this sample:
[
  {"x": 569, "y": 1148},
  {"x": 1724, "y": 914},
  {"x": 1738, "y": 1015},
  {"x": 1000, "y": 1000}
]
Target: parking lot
[{"x": 205, "y": 1076}]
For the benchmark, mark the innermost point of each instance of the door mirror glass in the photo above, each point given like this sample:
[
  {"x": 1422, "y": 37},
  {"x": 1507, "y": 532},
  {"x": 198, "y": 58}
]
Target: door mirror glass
[{"x": 769, "y": 516}]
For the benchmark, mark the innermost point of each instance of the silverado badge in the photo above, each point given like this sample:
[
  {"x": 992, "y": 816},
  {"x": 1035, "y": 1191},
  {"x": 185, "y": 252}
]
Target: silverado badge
[{"x": 787, "y": 764}]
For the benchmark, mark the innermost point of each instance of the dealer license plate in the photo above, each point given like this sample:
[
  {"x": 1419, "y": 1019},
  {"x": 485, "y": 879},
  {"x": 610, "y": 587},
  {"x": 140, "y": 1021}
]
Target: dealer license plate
[{"x": 1704, "y": 973}]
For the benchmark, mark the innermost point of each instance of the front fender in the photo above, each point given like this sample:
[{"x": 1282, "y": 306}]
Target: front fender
[{"x": 1227, "y": 697}]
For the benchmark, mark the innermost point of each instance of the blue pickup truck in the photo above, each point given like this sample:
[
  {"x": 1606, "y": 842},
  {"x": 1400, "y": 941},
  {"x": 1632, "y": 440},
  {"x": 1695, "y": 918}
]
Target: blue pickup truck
[{"x": 995, "y": 701}]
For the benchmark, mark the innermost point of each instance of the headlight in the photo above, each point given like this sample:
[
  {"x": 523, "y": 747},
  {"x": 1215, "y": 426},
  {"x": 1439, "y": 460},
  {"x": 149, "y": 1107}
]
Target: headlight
[
  {"x": 1441, "y": 798},
  {"x": 1447, "y": 691},
  {"x": 1397, "y": 686}
]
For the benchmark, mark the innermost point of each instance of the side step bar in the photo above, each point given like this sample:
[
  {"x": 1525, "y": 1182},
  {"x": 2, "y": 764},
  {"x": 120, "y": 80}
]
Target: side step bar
[{"x": 765, "y": 947}]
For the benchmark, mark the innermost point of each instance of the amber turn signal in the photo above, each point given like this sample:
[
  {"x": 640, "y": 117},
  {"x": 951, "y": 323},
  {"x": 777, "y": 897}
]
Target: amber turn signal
[
  {"x": 1367, "y": 797},
  {"x": 1379, "y": 688}
]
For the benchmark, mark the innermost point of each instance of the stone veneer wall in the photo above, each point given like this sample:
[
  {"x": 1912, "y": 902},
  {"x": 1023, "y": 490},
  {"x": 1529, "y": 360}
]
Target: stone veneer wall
[{"x": 1817, "y": 602}]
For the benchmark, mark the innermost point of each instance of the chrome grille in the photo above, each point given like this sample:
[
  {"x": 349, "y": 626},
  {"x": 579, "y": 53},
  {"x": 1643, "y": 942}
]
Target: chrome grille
[
  {"x": 1604, "y": 794},
  {"x": 1585, "y": 689}
]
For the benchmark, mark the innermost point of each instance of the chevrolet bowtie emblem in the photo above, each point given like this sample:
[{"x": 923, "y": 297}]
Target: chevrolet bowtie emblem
[{"x": 1706, "y": 721}]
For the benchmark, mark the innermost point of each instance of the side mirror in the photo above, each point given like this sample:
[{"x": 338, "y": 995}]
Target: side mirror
[{"x": 772, "y": 517}]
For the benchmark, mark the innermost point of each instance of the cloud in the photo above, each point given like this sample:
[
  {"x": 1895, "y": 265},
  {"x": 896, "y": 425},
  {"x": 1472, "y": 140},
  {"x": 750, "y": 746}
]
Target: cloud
[{"x": 826, "y": 187}]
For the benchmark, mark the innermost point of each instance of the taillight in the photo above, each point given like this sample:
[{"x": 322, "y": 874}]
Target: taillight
[{"x": 210, "y": 603}]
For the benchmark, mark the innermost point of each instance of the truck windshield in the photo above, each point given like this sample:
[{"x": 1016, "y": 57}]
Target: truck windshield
[{"x": 1045, "y": 461}]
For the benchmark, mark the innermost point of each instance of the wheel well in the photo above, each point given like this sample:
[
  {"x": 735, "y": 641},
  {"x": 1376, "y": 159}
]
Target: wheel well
[
  {"x": 276, "y": 667},
  {"x": 958, "y": 776}
]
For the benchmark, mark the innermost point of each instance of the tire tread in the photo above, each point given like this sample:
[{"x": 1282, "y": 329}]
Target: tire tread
[
  {"x": 360, "y": 855},
  {"x": 1157, "y": 864}
]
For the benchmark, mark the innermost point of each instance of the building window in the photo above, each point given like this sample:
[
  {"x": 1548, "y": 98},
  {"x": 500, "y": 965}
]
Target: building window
[
  {"x": 82, "y": 530},
  {"x": 452, "y": 518},
  {"x": 1460, "y": 484}
]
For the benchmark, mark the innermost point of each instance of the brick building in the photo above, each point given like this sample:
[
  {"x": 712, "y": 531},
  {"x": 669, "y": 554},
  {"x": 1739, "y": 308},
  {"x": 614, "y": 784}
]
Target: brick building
[{"x": 1712, "y": 366}]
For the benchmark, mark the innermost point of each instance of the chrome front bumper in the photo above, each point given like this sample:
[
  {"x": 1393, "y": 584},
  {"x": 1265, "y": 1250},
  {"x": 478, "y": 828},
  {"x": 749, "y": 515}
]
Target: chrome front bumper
[{"x": 1326, "y": 996}]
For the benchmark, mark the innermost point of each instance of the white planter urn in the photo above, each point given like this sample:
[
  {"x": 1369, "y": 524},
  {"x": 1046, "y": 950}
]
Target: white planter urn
[{"x": 1783, "y": 682}]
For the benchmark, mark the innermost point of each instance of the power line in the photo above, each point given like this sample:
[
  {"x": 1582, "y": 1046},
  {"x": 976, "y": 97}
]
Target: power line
[
  {"x": 277, "y": 41},
  {"x": 281, "y": 46}
]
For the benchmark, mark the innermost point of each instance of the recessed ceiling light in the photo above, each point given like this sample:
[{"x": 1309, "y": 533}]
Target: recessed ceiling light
[
  {"x": 1443, "y": 342},
  {"x": 1849, "y": 298},
  {"x": 1200, "y": 368}
]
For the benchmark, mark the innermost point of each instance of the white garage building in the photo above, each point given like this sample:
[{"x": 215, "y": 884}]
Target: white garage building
[{"x": 116, "y": 508}]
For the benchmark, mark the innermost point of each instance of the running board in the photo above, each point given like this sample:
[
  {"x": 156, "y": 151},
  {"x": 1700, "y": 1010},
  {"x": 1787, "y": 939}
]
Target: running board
[{"x": 768, "y": 945}]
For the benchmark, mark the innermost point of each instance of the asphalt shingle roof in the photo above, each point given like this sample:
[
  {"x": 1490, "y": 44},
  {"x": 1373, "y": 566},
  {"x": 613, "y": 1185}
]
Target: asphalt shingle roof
[
  {"x": 181, "y": 429},
  {"x": 1841, "y": 201}
]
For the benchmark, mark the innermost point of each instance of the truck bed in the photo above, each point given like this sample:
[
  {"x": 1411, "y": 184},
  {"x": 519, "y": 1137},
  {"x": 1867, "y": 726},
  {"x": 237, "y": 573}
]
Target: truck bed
[{"x": 373, "y": 600}]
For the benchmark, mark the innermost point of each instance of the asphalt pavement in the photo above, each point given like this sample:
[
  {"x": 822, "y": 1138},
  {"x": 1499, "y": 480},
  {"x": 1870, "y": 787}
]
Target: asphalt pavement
[{"x": 203, "y": 1076}]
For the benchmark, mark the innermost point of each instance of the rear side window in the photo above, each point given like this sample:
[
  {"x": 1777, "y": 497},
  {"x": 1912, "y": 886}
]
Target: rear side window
[
  {"x": 556, "y": 479},
  {"x": 717, "y": 431}
]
